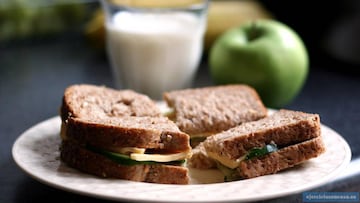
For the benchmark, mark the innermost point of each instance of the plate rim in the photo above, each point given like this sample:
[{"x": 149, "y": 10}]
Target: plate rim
[{"x": 47, "y": 122}]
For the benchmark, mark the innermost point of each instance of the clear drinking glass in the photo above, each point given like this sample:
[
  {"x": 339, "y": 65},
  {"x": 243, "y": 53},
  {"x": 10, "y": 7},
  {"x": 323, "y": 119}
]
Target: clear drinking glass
[{"x": 155, "y": 45}]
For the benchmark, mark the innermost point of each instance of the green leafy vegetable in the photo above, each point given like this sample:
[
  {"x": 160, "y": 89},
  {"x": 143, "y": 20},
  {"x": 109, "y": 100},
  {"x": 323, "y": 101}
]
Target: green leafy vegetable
[
  {"x": 232, "y": 174},
  {"x": 229, "y": 174},
  {"x": 256, "y": 152}
]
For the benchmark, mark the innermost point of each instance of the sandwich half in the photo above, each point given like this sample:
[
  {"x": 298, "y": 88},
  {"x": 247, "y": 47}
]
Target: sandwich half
[
  {"x": 201, "y": 112},
  {"x": 121, "y": 134},
  {"x": 280, "y": 141}
]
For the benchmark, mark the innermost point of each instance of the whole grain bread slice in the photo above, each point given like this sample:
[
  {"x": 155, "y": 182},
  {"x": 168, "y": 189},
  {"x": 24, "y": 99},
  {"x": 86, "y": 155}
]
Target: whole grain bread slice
[
  {"x": 91, "y": 101},
  {"x": 284, "y": 128},
  {"x": 209, "y": 110},
  {"x": 127, "y": 131},
  {"x": 87, "y": 161},
  {"x": 282, "y": 159},
  {"x": 110, "y": 119}
]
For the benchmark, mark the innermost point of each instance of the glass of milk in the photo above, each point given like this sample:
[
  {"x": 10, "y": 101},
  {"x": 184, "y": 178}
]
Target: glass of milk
[{"x": 154, "y": 45}]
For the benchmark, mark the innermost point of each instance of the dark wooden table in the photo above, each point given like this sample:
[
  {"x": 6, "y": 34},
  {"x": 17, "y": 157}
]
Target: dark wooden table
[{"x": 34, "y": 74}]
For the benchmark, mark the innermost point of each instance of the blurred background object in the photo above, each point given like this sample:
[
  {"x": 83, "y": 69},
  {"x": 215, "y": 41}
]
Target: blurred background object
[
  {"x": 23, "y": 19},
  {"x": 341, "y": 40},
  {"x": 329, "y": 29},
  {"x": 226, "y": 14},
  {"x": 95, "y": 29},
  {"x": 222, "y": 15}
]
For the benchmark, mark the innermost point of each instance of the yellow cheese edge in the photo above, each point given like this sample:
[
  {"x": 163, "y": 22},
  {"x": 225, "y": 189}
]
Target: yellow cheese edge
[
  {"x": 230, "y": 163},
  {"x": 138, "y": 154},
  {"x": 130, "y": 150},
  {"x": 161, "y": 157}
]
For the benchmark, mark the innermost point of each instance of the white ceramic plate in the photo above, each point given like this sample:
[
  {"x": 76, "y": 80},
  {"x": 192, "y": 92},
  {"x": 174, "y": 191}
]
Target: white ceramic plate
[{"x": 36, "y": 152}]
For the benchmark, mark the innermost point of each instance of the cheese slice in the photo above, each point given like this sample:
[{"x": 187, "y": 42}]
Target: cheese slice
[
  {"x": 230, "y": 163},
  {"x": 127, "y": 150},
  {"x": 130, "y": 150},
  {"x": 160, "y": 157},
  {"x": 168, "y": 112}
]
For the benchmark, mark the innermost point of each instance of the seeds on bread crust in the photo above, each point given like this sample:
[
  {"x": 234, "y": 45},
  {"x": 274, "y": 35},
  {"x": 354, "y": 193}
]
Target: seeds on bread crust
[{"x": 129, "y": 131}]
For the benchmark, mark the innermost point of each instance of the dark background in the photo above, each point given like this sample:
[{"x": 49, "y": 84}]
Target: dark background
[{"x": 329, "y": 29}]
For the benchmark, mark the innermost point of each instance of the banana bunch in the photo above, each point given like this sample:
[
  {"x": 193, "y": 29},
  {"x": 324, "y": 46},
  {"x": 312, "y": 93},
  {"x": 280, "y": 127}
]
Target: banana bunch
[{"x": 222, "y": 15}]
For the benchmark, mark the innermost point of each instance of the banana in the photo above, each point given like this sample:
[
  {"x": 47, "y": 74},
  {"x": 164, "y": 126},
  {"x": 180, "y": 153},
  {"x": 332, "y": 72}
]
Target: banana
[
  {"x": 156, "y": 3},
  {"x": 225, "y": 14},
  {"x": 95, "y": 30}
]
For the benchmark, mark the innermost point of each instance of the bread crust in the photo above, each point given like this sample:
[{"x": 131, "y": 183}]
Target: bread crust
[
  {"x": 210, "y": 110},
  {"x": 87, "y": 161},
  {"x": 152, "y": 133},
  {"x": 284, "y": 127},
  {"x": 282, "y": 159},
  {"x": 90, "y": 101}
]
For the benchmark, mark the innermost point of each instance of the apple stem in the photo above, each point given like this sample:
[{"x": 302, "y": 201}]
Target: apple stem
[{"x": 254, "y": 32}]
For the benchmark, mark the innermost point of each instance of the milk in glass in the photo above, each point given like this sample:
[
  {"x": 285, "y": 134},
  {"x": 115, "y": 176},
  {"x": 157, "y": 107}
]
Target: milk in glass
[{"x": 155, "y": 52}]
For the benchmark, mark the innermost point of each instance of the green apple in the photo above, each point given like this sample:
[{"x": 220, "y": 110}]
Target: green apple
[{"x": 265, "y": 54}]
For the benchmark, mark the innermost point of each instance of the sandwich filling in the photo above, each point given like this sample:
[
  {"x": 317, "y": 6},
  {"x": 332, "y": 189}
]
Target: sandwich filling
[
  {"x": 228, "y": 166},
  {"x": 134, "y": 156},
  {"x": 252, "y": 153}
]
